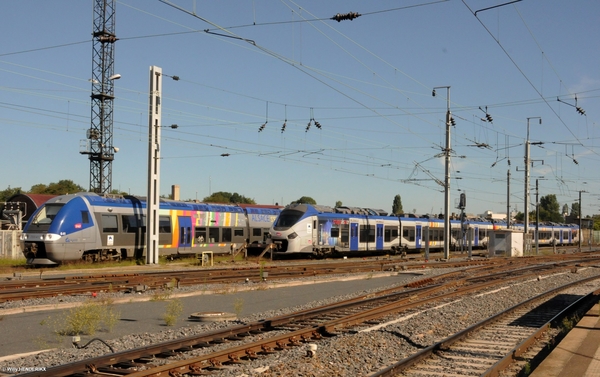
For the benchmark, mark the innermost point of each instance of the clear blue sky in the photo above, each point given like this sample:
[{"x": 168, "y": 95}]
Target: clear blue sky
[{"x": 368, "y": 82}]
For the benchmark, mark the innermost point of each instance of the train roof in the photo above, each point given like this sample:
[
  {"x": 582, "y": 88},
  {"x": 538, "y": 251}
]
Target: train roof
[{"x": 129, "y": 200}]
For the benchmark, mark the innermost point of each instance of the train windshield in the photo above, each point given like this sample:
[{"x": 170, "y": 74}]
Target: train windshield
[
  {"x": 47, "y": 214},
  {"x": 288, "y": 218}
]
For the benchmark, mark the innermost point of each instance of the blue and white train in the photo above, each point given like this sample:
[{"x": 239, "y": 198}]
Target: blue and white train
[
  {"x": 321, "y": 231},
  {"x": 91, "y": 227}
]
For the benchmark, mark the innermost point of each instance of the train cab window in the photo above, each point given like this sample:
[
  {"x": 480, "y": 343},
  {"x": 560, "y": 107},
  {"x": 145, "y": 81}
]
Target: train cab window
[
  {"x": 85, "y": 217},
  {"x": 334, "y": 232},
  {"x": 409, "y": 234},
  {"x": 213, "y": 235},
  {"x": 200, "y": 234},
  {"x": 226, "y": 235},
  {"x": 287, "y": 218},
  {"x": 164, "y": 224},
  {"x": 256, "y": 232},
  {"x": 109, "y": 224},
  {"x": 238, "y": 232},
  {"x": 47, "y": 214}
]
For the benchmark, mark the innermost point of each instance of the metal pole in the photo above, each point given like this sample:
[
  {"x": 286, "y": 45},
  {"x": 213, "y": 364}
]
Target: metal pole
[
  {"x": 537, "y": 217},
  {"x": 153, "y": 199},
  {"x": 447, "y": 183},
  {"x": 526, "y": 214},
  {"x": 508, "y": 199},
  {"x": 580, "y": 230}
]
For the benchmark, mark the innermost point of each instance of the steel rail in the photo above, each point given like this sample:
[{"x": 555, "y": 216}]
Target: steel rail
[
  {"x": 427, "y": 352},
  {"x": 392, "y": 304}
]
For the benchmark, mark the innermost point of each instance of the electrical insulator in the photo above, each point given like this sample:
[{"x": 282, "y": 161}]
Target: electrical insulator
[
  {"x": 262, "y": 127},
  {"x": 580, "y": 110},
  {"x": 318, "y": 124},
  {"x": 489, "y": 118},
  {"x": 283, "y": 128},
  {"x": 307, "y": 127},
  {"x": 346, "y": 16},
  {"x": 452, "y": 121}
]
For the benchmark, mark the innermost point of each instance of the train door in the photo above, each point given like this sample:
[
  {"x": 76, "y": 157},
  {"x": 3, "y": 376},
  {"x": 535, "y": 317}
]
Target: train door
[
  {"x": 418, "y": 236},
  {"x": 570, "y": 237},
  {"x": 353, "y": 236},
  {"x": 379, "y": 237},
  {"x": 185, "y": 231},
  {"x": 561, "y": 236},
  {"x": 475, "y": 237}
]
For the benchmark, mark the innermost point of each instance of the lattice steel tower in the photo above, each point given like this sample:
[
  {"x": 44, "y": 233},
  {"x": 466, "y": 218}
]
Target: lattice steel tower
[{"x": 99, "y": 144}]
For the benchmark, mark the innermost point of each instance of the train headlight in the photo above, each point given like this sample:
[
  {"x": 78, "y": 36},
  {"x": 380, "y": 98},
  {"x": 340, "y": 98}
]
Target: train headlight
[
  {"x": 23, "y": 236},
  {"x": 293, "y": 235},
  {"x": 51, "y": 237}
]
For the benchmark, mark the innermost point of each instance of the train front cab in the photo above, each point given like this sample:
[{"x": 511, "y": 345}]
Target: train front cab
[{"x": 58, "y": 231}]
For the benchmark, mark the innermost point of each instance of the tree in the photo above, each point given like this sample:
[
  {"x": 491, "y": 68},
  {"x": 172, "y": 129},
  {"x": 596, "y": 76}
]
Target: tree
[
  {"x": 550, "y": 209},
  {"x": 5, "y": 194},
  {"x": 62, "y": 187},
  {"x": 575, "y": 209},
  {"x": 305, "y": 200},
  {"x": 338, "y": 204},
  {"x": 227, "y": 197},
  {"x": 397, "y": 205}
]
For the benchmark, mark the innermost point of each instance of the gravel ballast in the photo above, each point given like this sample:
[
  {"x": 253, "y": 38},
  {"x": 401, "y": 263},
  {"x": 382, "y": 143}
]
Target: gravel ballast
[{"x": 360, "y": 352}]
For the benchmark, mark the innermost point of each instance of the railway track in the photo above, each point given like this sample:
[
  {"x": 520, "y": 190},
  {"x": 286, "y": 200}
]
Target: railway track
[
  {"x": 211, "y": 351},
  {"x": 136, "y": 282},
  {"x": 491, "y": 346},
  {"x": 20, "y": 288}
]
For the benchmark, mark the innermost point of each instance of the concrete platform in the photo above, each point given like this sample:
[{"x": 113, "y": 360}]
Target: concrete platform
[{"x": 578, "y": 354}]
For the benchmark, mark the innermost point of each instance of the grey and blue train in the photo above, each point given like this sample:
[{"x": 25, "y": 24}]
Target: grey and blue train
[
  {"x": 322, "y": 231},
  {"x": 92, "y": 227}
]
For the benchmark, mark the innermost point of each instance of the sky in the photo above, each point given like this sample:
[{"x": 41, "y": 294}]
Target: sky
[{"x": 368, "y": 82}]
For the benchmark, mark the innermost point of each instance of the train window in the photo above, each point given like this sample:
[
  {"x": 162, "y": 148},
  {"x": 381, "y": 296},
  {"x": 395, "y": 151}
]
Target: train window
[
  {"x": 256, "y": 232},
  {"x": 238, "y": 232},
  {"x": 287, "y": 218},
  {"x": 85, "y": 217},
  {"x": 47, "y": 214},
  {"x": 226, "y": 234},
  {"x": 345, "y": 234},
  {"x": 109, "y": 224},
  {"x": 164, "y": 224},
  {"x": 131, "y": 223},
  {"x": 213, "y": 235},
  {"x": 334, "y": 232},
  {"x": 387, "y": 235},
  {"x": 200, "y": 234},
  {"x": 395, "y": 233}
]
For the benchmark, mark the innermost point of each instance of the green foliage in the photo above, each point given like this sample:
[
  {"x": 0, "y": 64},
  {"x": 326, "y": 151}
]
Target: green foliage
[
  {"x": 238, "y": 306},
  {"x": 174, "y": 310},
  {"x": 227, "y": 197},
  {"x": 397, "y": 205},
  {"x": 549, "y": 209},
  {"x": 88, "y": 318},
  {"x": 305, "y": 200},
  {"x": 61, "y": 187},
  {"x": 5, "y": 194},
  {"x": 575, "y": 209},
  {"x": 338, "y": 204}
]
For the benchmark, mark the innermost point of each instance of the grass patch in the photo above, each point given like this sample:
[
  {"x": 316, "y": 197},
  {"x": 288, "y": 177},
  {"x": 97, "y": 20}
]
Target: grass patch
[
  {"x": 87, "y": 319},
  {"x": 87, "y": 265},
  {"x": 173, "y": 312},
  {"x": 8, "y": 265},
  {"x": 238, "y": 306}
]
